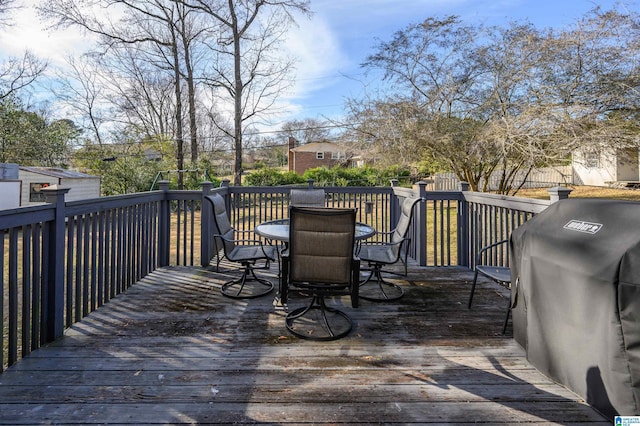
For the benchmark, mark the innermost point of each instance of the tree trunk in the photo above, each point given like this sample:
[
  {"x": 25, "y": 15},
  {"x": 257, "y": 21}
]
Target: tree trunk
[
  {"x": 178, "y": 117},
  {"x": 193, "y": 126},
  {"x": 237, "y": 116}
]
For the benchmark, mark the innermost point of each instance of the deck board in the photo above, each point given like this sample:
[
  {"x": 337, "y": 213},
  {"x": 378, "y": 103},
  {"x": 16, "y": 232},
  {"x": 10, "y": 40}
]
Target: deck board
[{"x": 172, "y": 350}]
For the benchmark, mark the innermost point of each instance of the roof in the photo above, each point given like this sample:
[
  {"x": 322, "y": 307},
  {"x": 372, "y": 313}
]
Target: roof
[
  {"x": 319, "y": 147},
  {"x": 58, "y": 172}
]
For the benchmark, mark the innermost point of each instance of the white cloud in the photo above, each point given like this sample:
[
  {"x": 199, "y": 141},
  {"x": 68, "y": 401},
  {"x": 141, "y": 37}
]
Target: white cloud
[
  {"x": 318, "y": 55},
  {"x": 28, "y": 33}
]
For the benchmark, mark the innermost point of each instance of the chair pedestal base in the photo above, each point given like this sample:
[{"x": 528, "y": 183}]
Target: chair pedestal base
[
  {"x": 317, "y": 321},
  {"x": 249, "y": 286},
  {"x": 381, "y": 290}
]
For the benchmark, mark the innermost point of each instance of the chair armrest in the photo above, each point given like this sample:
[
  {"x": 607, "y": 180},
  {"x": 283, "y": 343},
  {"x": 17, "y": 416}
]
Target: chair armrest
[
  {"x": 488, "y": 248},
  {"x": 234, "y": 240},
  {"x": 383, "y": 243},
  {"x": 385, "y": 232}
]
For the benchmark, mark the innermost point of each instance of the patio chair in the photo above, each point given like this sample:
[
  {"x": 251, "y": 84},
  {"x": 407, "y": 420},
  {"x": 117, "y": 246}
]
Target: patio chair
[
  {"x": 499, "y": 274},
  {"x": 320, "y": 262},
  {"x": 247, "y": 252},
  {"x": 378, "y": 255},
  {"x": 307, "y": 197}
]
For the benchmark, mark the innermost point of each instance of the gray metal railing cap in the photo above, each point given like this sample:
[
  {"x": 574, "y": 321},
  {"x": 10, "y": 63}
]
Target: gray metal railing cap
[{"x": 558, "y": 193}]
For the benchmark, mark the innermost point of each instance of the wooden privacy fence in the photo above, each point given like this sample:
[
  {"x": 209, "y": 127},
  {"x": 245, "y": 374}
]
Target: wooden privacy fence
[
  {"x": 62, "y": 260},
  {"x": 536, "y": 178}
]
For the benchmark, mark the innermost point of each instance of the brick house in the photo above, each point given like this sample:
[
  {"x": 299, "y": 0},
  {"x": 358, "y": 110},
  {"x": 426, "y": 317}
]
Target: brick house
[{"x": 316, "y": 154}]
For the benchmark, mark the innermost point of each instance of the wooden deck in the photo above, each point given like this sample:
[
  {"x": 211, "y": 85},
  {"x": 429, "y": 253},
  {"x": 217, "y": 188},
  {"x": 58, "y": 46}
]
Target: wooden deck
[{"x": 174, "y": 351}]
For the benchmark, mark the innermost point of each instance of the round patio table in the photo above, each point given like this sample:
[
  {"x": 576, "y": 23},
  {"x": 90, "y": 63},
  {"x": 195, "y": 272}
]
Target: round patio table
[{"x": 278, "y": 230}]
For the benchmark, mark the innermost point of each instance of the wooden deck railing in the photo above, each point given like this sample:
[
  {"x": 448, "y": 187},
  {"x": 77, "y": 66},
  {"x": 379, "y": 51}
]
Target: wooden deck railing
[{"x": 60, "y": 261}]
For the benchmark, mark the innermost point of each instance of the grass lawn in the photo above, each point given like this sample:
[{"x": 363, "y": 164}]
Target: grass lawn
[{"x": 586, "y": 192}]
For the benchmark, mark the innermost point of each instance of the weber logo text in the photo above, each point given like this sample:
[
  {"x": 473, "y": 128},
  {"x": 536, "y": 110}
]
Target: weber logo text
[{"x": 582, "y": 226}]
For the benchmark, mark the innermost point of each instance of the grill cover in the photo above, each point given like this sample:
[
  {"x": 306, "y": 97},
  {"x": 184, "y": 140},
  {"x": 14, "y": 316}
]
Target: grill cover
[{"x": 576, "y": 274}]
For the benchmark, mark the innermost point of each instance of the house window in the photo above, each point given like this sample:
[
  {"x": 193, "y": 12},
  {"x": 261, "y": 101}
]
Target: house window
[
  {"x": 319, "y": 155},
  {"x": 338, "y": 156},
  {"x": 35, "y": 196},
  {"x": 592, "y": 159}
]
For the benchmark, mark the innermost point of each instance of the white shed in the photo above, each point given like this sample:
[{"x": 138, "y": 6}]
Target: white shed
[
  {"x": 607, "y": 167},
  {"x": 83, "y": 186}
]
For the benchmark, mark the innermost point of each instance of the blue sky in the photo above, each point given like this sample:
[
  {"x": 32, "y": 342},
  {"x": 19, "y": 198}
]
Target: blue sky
[
  {"x": 340, "y": 35},
  {"x": 333, "y": 43}
]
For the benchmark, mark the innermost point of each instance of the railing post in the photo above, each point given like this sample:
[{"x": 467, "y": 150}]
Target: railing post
[
  {"x": 394, "y": 208},
  {"x": 227, "y": 197},
  {"x": 205, "y": 225},
  {"x": 421, "y": 225},
  {"x": 310, "y": 183},
  {"x": 558, "y": 193},
  {"x": 463, "y": 227},
  {"x": 164, "y": 225},
  {"x": 53, "y": 291}
]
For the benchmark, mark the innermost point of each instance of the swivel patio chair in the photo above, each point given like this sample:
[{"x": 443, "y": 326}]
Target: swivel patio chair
[
  {"x": 307, "y": 197},
  {"x": 247, "y": 252},
  {"x": 379, "y": 255},
  {"x": 320, "y": 262},
  {"x": 499, "y": 274}
]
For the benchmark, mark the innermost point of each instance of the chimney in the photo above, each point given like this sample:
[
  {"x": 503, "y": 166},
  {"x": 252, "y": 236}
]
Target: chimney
[{"x": 292, "y": 143}]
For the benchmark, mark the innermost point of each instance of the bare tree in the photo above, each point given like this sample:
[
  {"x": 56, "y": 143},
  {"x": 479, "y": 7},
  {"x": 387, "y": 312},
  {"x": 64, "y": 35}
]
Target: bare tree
[
  {"x": 500, "y": 101},
  {"x": 80, "y": 89},
  {"x": 161, "y": 31},
  {"x": 17, "y": 73},
  {"x": 435, "y": 110},
  {"x": 6, "y": 6},
  {"x": 594, "y": 79},
  {"x": 246, "y": 69},
  {"x": 307, "y": 130}
]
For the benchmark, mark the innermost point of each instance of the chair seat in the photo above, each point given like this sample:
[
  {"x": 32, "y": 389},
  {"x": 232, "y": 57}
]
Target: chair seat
[
  {"x": 497, "y": 273},
  {"x": 250, "y": 253},
  {"x": 378, "y": 253}
]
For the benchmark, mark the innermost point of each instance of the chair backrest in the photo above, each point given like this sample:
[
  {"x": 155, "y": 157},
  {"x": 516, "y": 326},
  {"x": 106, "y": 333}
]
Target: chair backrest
[
  {"x": 406, "y": 214},
  {"x": 221, "y": 223},
  {"x": 321, "y": 243},
  {"x": 307, "y": 198}
]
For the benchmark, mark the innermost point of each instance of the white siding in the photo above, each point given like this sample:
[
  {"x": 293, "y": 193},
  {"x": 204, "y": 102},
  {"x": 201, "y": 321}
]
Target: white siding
[
  {"x": 29, "y": 178},
  {"x": 628, "y": 169},
  {"x": 594, "y": 170},
  {"x": 9, "y": 194},
  {"x": 80, "y": 188}
]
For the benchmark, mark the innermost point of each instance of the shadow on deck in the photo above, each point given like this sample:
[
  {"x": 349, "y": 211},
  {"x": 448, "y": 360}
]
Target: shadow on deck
[{"x": 172, "y": 350}]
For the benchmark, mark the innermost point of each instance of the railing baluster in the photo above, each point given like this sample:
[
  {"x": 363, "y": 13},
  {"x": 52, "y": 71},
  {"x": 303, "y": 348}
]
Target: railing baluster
[
  {"x": 184, "y": 232},
  {"x": 13, "y": 296},
  {"x": 100, "y": 256},
  {"x": 36, "y": 298},
  {"x": 93, "y": 282},
  {"x": 78, "y": 270},
  {"x": 2, "y": 291},
  {"x": 85, "y": 241},
  {"x": 110, "y": 248},
  {"x": 26, "y": 290}
]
